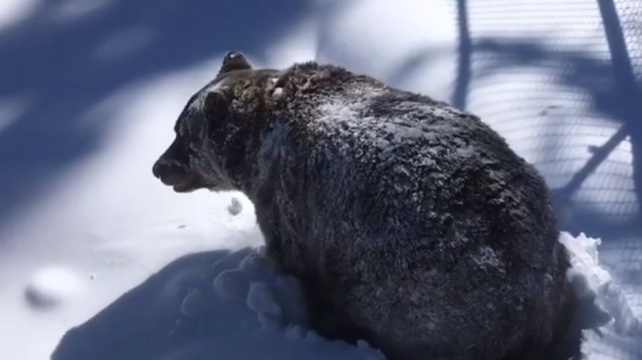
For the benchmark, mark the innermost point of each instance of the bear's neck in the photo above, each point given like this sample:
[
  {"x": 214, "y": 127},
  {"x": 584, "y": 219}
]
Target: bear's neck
[
  {"x": 268, "y": 151},
  {"x": 272, "y": 141}
]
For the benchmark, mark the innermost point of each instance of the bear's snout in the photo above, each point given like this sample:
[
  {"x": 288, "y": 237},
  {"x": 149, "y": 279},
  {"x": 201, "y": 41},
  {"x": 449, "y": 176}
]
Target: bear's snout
[
  {"x": 169, "y": 172},
  {"x": 178, "y": 176}
]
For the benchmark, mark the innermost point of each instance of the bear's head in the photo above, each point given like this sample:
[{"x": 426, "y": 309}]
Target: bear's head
[{"x": 213, "y": 129}]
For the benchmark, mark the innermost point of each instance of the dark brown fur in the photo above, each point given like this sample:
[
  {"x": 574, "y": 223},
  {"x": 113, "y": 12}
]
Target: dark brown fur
[{"x": 410, "y": 223}]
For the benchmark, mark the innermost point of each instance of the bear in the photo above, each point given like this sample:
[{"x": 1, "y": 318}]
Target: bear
[{"x": 411, "y": 224}]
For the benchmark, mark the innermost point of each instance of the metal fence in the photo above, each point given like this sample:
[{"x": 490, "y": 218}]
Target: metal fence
[{"x": 561, "y": 80}]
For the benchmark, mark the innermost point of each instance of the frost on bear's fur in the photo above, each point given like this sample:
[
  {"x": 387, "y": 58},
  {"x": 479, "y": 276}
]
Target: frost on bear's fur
[{"x": 409, "y": 223}]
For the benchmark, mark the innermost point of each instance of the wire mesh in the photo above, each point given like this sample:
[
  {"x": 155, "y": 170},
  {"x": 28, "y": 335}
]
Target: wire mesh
[{"x": 561, "y": 81}]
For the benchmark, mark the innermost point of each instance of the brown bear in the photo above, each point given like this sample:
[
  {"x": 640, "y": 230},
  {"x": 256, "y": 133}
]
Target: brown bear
[{"x": 411, "y": 224}]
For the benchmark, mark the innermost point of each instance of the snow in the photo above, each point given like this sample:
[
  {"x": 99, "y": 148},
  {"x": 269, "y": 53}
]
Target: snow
[
  {"x": 419, "y": 54},
  {"x": 53, "y": 286},
  {"x": 590, "y": 280},
  {"x": 125, "y": 42},
  {"x": 618, "y": 338},
  {"x": 240, "y": 297},
  {"x": 103, "y": 245},
  {"x": 231, "y": 285},
  {"x": 11, "y": 110},
  {"x": 69, "y": 10},
  {"x": 235, "y": 207},
  {"x": 205, "y": 304},
  {"x": 14, "y": 11},
  {"x": 154, "y": 224}
]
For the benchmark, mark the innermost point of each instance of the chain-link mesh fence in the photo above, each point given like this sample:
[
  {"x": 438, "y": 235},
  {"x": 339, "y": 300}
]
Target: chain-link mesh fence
[{"x": 561, "y": 81}]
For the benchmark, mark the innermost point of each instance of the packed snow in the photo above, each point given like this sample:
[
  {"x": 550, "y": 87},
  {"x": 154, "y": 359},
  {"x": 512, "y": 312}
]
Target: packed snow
[
  {"x": 53, "y": 286},
  {"x": 146, "y": 274},
  {"x": 201, "y": 299},
  {"x": 208, "y": 304}
]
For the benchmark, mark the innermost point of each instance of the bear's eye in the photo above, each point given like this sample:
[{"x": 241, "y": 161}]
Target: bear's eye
[
  {"x": 191, "y": 101},
  {"x": 184, "y": 113}
]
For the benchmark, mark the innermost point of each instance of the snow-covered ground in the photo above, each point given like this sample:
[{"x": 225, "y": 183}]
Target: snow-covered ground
[{"x": 78, "y": 238}]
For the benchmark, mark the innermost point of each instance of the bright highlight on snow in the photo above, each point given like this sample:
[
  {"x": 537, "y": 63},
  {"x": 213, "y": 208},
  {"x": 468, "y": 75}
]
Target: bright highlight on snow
[{"x": 53, "y": 286}]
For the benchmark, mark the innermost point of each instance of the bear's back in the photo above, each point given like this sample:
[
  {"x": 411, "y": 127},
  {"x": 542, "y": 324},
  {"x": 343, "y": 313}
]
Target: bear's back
[{"x": 422, "y": 159}]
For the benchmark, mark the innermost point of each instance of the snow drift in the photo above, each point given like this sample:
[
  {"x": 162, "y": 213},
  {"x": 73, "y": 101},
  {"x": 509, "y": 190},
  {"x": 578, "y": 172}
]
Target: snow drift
[{"x": 235, "y": 305}]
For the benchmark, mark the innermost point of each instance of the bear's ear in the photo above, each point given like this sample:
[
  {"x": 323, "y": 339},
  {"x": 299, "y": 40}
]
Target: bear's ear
[{"x": 233, "y": 61}]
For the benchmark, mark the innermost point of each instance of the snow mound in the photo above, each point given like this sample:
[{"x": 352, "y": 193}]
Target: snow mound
[
  {"x": 591, "y": 280},
  {"x": 221, "y": 303},
  {"x": 619, "y": 339},
  {"x": 53, "y": 286},
  {"x": 240, "y": 306},
  {"x": 585, "y": 267},
  {"x": 274, "y": 300}
]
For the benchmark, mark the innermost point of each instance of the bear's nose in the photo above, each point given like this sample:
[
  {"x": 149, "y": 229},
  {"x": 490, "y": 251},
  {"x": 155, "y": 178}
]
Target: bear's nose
[
  {"x": 168, "y": 172},
  {"x": 157, "y": 169}
]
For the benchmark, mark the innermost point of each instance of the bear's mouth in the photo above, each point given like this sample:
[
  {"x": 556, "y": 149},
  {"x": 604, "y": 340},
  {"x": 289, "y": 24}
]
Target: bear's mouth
[
  {"x": 191, "y": 184},
  {"x": 182, "y": 180},
  {"x": 184, "y": 188}
]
